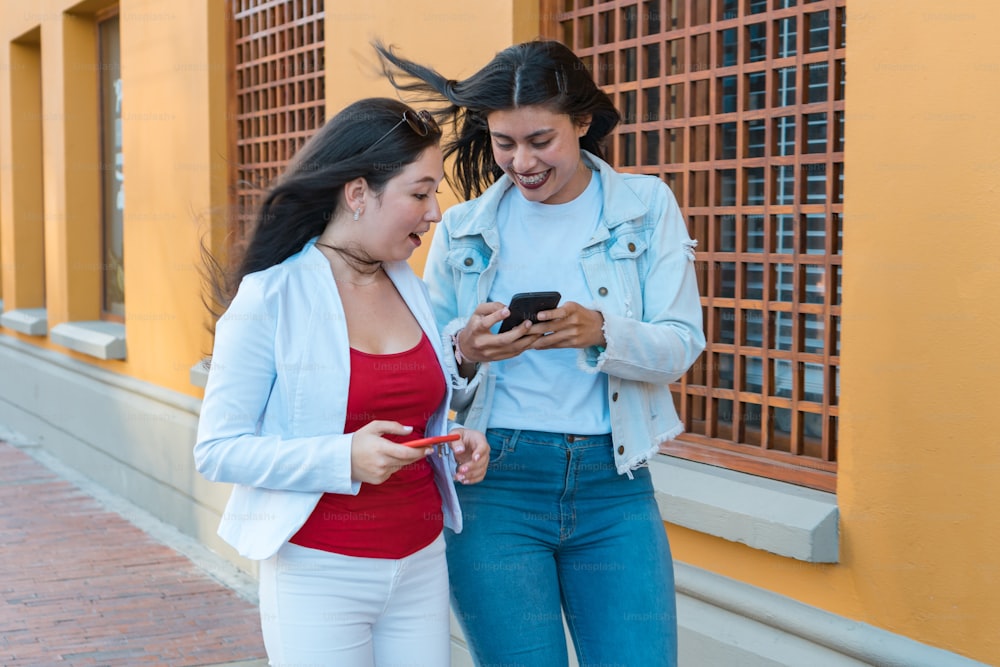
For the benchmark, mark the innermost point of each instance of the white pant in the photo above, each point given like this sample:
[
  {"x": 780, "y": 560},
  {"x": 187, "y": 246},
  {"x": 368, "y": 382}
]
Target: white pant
[{"x": 324, "y": 609}]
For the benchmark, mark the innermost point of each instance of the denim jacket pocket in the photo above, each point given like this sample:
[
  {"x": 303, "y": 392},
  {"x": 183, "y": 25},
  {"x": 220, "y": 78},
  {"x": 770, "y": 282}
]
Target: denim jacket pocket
[
  {"x": 628, "y": 246},
  {"x": 468, "y": 260}
]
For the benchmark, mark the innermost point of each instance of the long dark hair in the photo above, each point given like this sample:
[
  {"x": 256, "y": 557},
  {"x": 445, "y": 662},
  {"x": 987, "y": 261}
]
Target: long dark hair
[
  {"x": 541, "y": 72},
  {"x": 306, "y": 196}
]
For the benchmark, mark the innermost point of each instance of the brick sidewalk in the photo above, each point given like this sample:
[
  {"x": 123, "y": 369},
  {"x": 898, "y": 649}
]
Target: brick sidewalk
[{"x": 80, "y": 585}]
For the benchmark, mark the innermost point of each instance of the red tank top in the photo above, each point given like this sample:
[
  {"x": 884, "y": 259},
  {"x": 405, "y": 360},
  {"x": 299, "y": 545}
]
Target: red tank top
[{"x": 403, "y": 514}]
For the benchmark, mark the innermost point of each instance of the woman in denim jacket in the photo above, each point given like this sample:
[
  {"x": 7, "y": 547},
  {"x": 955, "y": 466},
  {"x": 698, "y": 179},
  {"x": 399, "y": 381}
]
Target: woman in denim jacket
[{"x": 574, "y": 405}]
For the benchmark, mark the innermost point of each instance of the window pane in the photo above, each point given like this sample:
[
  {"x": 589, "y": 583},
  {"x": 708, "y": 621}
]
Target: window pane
[
  {"x": 727, "y": 282},
  {"x": 812, "y": 389},
  {"x": 651, "y": 105},
  {"x": 785, "y": 86},
  {"x": 817, "y": 78},
  {"x": 756, "y": 42},
  {"x": 815, "y": 228},
  {"x": 784, "y": 133},
  {"x": 813, "y": 333},
  {"x": 815, "y": 182},
  {"x": 783, "y": 381},
  {"x": 727, "y": 187},
  {"x": 724, "y": 370},
  {"x": 753, "y": 282},
  {"x": 754, "y": 186},
  {"x": 815, "y": 133},
  {"x": 652, "y": 56},
  {"x": 784, "y": 232},
  {"x": 651, "y": 147},
  {"x": 728, "y": 42},
  {"x": 785, "y": 38},
  {"x": 756, "y": 84},
  {"x": 727, "y": 325},
  {"x": 814, "y": 279},
  {"x": 752, "y": 374},
  {"x": 112, "y": 171},
  {"x": 755, "y": 138},
  {"x": 727, "y": 233},
  {"x": 819, "y": 31},
  {"x": 727, "y": 94},
  {"x": 782, "y": 336},
  {"x": 784, "y": 275},
  {"x": 754, "y": 229},
  {"x": 727, "y": 141},
  {"x": 784, "y": 184}
]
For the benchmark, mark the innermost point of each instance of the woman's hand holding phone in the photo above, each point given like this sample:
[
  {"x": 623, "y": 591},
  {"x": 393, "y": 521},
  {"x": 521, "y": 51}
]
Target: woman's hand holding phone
[
  {"x": 568, "y": 326},
  {"x": 374, "y": 459},
  {"x": 480, "y": 344}
]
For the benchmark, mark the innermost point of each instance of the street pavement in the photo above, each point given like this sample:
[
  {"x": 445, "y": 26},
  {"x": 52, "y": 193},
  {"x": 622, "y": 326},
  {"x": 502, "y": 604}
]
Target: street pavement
[{"x": 80, "y": 584}]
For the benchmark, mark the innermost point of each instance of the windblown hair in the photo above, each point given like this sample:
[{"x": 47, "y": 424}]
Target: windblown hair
[
  {"x": 543, "y": 73},
  {"x": 305, "y": 197}
]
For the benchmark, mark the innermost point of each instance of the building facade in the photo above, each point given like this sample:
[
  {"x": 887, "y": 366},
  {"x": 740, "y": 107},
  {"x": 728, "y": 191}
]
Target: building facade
[{"x": 830, "y": 501}]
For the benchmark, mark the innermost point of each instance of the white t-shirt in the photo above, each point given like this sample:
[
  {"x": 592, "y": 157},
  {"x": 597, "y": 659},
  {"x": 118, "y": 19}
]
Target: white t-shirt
[{"x": 545, "y": 390}]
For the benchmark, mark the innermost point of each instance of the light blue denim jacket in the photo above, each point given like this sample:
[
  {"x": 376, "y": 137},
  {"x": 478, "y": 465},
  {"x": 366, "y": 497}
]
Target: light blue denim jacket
[{"x": 639, "y": 267}]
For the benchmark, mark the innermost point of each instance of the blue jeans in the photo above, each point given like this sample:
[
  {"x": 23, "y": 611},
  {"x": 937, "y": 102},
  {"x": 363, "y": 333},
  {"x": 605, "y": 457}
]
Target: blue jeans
[{"x": 554, "y": 529}]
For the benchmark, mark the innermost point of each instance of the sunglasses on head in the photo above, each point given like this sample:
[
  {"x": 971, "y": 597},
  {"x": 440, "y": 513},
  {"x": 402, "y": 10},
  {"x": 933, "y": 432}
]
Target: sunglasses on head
[{"x": 421, "y": 122}]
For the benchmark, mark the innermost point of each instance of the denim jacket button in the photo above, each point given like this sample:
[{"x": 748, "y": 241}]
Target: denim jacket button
[
  {"x": 621, "y": 449},
  {"x": 468, "y": 261},
  {"x": 614, "y": 396},
  {"x": 603, "y": 291},
  {"x": 631, "y": 247}
]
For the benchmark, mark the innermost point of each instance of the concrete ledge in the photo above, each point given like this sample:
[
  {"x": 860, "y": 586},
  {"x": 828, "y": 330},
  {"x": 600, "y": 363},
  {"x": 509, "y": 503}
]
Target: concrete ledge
[
  {"x": 781, "y": 518},
  {"x": 31, "y": 321},
  {"x": 727, "y": 622},
  {"x": 104, "y": 340},
  {"x": 198, "y": 375}
]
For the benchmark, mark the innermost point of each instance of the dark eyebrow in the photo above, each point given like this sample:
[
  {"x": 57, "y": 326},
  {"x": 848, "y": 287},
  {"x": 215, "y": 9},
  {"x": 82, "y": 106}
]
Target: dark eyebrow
[
  {"x": 533, "y": 135},
  {"x": 425, "y": 179}
]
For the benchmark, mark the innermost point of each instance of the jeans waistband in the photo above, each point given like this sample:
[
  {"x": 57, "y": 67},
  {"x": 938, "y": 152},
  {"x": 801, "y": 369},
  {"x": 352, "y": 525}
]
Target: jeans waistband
[{"x": 551, "y": 437}]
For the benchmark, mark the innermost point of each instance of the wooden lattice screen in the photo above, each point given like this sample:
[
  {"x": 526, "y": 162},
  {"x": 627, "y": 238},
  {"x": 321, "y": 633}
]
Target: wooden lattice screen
[
  {"x": 739, "y": 106},
  {"x": 278, "y": 96}
]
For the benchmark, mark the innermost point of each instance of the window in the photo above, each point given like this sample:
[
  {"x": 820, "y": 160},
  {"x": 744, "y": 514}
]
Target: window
[
  {"x": 279, "y": 96},
  {"x": 112, "y": 175},
  {"x": 748, "y": 98}
]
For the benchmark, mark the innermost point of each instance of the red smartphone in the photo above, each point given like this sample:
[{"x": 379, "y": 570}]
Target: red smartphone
[
  {"x": 434, "y": 440},
  {"x": 526, "y": 306}
]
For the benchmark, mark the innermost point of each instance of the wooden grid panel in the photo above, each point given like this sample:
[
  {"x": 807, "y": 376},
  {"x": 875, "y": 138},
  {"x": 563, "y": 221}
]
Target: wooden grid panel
[
  {"x": 278, "y": 93},
  {"x": 739, "y": 106}
]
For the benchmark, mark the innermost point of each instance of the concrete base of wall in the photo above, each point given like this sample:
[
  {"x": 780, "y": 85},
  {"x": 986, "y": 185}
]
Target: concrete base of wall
[{"x": 134, "y": 440}]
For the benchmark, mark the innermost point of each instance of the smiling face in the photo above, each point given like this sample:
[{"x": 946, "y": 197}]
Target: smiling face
[
  {"x": 540, "y": 150},
  {"x": 394, "y": 222}
]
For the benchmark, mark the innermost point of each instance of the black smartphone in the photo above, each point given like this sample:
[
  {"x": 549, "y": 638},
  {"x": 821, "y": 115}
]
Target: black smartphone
[{"x": 527, "y": 305}]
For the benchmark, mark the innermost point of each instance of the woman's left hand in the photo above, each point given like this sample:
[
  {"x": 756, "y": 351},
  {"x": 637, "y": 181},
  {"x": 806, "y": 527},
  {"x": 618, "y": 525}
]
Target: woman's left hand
[
  {"x": 472, "y": 453},
  {"x": 569, "y": 325}
]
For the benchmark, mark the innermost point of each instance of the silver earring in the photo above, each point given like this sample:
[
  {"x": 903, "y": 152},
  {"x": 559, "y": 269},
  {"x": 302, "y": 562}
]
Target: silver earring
[{"x": 357, "y": 213}]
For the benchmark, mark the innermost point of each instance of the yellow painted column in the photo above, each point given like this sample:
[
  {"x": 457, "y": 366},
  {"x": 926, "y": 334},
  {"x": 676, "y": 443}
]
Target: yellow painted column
[
  {"x": 22, "y": 240},
  {"x": 71, "y": 181}
]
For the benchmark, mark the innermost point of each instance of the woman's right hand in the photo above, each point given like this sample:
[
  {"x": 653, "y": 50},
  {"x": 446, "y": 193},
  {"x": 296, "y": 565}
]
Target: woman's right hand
[
  {"x": 479, "y": 344},
  {"x": 374, "y": 459}
]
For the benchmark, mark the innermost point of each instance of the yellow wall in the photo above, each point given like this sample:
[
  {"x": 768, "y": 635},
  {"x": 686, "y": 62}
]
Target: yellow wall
[
  {"x": 174, "y": 141},
  {"x": 919, "y": 474}
]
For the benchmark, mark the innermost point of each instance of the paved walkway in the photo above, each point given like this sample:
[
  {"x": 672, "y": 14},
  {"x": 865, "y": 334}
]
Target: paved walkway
[{"x": 81, "y": 585}]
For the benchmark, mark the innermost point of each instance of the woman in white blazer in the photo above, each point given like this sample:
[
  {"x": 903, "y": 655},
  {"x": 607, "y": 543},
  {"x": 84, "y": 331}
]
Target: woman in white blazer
[{"x": 326, "y": 362}]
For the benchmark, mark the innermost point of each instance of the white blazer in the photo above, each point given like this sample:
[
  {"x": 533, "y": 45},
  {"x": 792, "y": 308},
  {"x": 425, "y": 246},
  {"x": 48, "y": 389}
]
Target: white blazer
[{"x": 275, "y": 404}]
